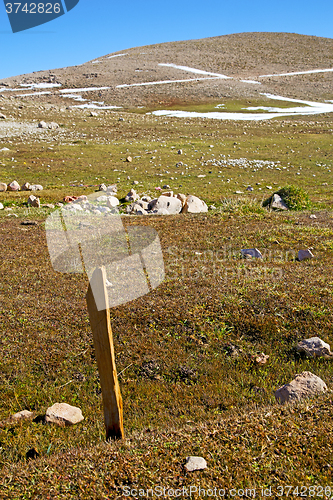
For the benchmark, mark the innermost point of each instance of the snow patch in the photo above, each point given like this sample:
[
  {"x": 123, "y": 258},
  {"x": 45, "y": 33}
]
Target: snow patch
[
  {"x": 299, "y": 73},
  {"x": 88, "y": 89},
  {"x": 251, "y": 81},
  {"x": 30, "y": 86},
  {"x": 94, "y": 106},
  {"x": 163, "y": 82},
  {"x": 35, "y": 93},
  {"x": 117, "y": 55},
  {"x": 193, "y": 70}
]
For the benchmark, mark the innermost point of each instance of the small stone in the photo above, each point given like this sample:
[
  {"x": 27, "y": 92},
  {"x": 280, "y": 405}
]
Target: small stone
[
  {"x": 166, "y": 186},
  {"x": 1, "y": 206},
  {"x": 269, "y": 187},
  {"x": 212, "y": 207},
  {"x": 239, "y": 192},
  {"x": 21, "y": 415},
  {"x": 252, "y": 252},
  {"x": 180, "y": 151},
  {"x": 304, "y": 255},
  {"x": 102, "y": 187},
  {"x": 277, "y": 203},
  {"x": 47, "y": 205},
  {"x": 3, "y": 187},
  {"x": 260, "y": 359},
  {"x": 313, "y": 216},
  {"x": 63, "y": 414},
  {"x": 13, "y": 186},
  {"x": 2, "y": 117},
  {"x": 131, "y": 196},
  {"x": 168, "y": 193},
  {"x": 314, "y": 347},
  {"x": 113, "y": 188},
  {"x": 26, "y": 187},
  {"x": 194, "y": 205},
  {"x": 53, "y": 126},
  {"x": 129, "y": 159},
  {"x": 29, "y": 223},
  {"x": 33, "y": 201},
  {"x": 249, "y": 188},
  {"x": 304, "y": 385},
  {"x": 135, "y": 183},
  {"x": 36, "y": 187},
  {"x": 42, "y": 124},
  {"x": 195, "y": 463},
  {"x": 93, "y": 113},
  {"x": 112, "y": 202}
]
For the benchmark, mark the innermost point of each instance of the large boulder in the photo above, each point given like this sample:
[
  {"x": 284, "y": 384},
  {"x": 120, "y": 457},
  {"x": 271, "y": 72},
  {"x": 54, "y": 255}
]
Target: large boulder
[
  {"x": 13, "y": 186},
  {"x": 26, "y": 187},
  {"x": 304, "y": 385},
  {"x": 3, "y": 187},
  {"x": 314, "y": 347},
  {"x": 194, "y": 205},
  {"x": 33, "y": 201},
  {"x": 63, "y": 414},
  {"x": 277, "y": 203},
  {"x": 171, "y": 204},
  {"x": 112, "y": 202}
]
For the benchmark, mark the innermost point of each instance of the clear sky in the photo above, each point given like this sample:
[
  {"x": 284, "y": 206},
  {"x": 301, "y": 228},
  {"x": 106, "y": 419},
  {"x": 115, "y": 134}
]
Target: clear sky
[{"x": 97, "y": 27}]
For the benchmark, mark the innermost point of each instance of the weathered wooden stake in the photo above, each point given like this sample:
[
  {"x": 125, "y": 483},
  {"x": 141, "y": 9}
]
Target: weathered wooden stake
[{"x": 103, "y": 342}]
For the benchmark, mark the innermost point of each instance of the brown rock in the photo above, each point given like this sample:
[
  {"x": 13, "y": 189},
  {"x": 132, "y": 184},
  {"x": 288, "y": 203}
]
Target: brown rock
[
  {"x": 3, "y": 187},
  {"x": 13, "y": 186},
  {"x": 26, "y": 187},
  {"x": 63, "y": 414},
  {"x": 33, "y": 201}
]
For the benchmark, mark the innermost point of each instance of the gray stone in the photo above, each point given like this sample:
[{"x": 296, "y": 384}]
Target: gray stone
[
  {"x": 26, "y": 187},
  {"x": 131, "y": 196},
  {"x": 277, "y": 203},
  {"x": 304, "y": 385},
  {"x": 194, "y": 205},
  {"x": 63, "y": 414},
  {"x": 171, "y": 204},
  {"x": 305, "y": 254},
  {"x": 195, "y": 463},
  {"x": 3, "y": 187},
  {"x": 135, "y": 183},
  {"x": 13, "y": 186},
  {"x": 112, "y": 202},
  {"x": 102, "y": 199},
  {"x": 314, "y": 347},
  {"x": 253, "y": 253},
  {"x": 36, "y": 187},
  {"x": 112, "y": 189},
  {"x": 21, "y": 415},
  {"x": 33, "y": 201}
]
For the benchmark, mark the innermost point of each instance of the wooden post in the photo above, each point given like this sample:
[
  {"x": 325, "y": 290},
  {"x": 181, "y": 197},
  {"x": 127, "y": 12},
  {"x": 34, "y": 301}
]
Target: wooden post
[{"x": 103, "y": 342}]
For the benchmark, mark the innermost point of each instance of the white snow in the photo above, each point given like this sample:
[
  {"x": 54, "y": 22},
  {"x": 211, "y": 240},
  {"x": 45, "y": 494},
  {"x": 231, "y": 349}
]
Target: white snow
[
  {"x": 88, "y": 89},
  {"x": 75, "y": 97},
  {"x": 164, "y": 81},
  {"x": 35, "y": 93},
  {"x": 251, "y": 81},
  {"x": 96, "y": 62},
  {"x": 311, "y": 108},
  {"x": 117, "y": 55},
  {"x": 193, "y": 70},
  {"x": 299, "y": 73},
  {"x": 30, "y": 86},
  {"x": 94, "y": 106}
]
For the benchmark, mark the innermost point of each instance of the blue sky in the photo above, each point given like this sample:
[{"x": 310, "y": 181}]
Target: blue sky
[{"x": 97, "y": 27}]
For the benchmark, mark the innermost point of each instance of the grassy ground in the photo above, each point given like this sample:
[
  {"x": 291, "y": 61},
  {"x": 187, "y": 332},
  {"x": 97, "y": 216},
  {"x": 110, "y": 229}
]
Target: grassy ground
[{"x": 184, "y": 392}]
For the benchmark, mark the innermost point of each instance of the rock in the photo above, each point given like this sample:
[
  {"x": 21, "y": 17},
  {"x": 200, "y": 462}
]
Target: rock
[
  {"x": 260, "y": 359},
  {"x": 146, "y": 198},
  {"x": 129, "y": 159},
  {"x": 42, "y": 124},
  {"x": 36, "y": 187},
  {"x": 29, "y": 223},
  {"x": 239, "y": 192},
  {"x": 182, "y": 198},
  {"x": 131, "y": 196},
  {"x": 195, "y": 463},
  {"x": 112, "y": 202},
  {"x": 33, "y": 201},
  {"x": 26, "y": 187},
  {"x": 21, "y": 415},
  {"x": 252, "y": 252},
  {"x": 180, "y": 151},
  {"x": 212, "y": 207},
  {"x": 172, "y": 205},
  {"x": 102, "y": 187},
  {"x": 69, "y": 199},
  {"x": 136, "y": 209},
  {"x": 2, "y": 117},
  {"x": 194, "y": 205},
  {"x": 3, "y": 187},
  {"x": 5, "y": 149},
  {"x": 13, "y": 186},
  {"x": 63, "y": 414},
  {"x": 112, "y": 189},
  {"x": 161, "y": 211},
  {"x": 302, "y": 386},
  {"x": 102, "y": 199},
  {"x": 1, "y": 206},
  {"x": 135, "y": 183},
  {"x": 314, "y": 347},
  {"x": 47, "y": 205},
  {"x": 168, "y": 193},
  {"x": 166, "y": 186},
  {"x": 53, "y": 126},
  {"x": 93, "y": 113},
  {"x": 249, "y": 188},
  {"x": 277, "y": 203},
  {"x": 304, "y": 254},
  {"x": 313, "y": 216}
]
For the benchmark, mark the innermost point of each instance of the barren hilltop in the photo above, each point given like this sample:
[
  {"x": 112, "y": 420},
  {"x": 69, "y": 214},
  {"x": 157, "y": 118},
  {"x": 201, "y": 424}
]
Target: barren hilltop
[{"x": 134, "y": 75}]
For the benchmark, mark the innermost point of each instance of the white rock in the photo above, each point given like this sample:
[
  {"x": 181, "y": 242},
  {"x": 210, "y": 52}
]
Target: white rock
[
  {"x": 194, "y": 205},
  {"x": 33, "y": 201},
  {"x": 63, "y": 414},
  {"x": 304, "y": 385},
  {"x": 254, "y": 253},
  {"x": 21, "y": 415},
  {"x": 112, "y": 202},
  {"x": 36, "y": 187},
  {"x": 314, "y": 347},
  {"x": 305, "y": 254},
  {"x": 112, "y": 188},
  {"x": 53, "y": 126},
  {"x": 104, "y": 210},
  {"x": 1, "y": 206},
  {"x": 172, "y": 205},
  {"x": 3, "y": 187},
  {"x": 102, "y": 187},
  {"x": 161, "y": 211},
  {"x": 277, "y": 203},
  {"x": 131, "y": 196},
  {"x": 195, "y": 463},
  {"x": 102, "y": 198},
  {"x": 313, "y": 216},
  {"x": 13, "y": 186},
  {"x": 42, "y": 124}
]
